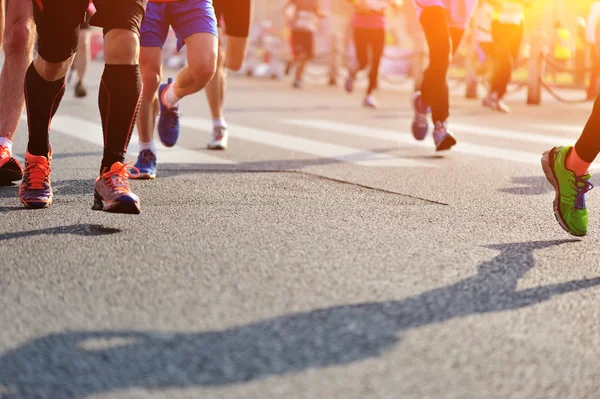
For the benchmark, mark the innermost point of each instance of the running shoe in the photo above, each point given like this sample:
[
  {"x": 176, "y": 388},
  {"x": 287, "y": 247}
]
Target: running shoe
[
  {"x": 168, "y": 121},
  {"x": 297, "y": 84},
  {"x": 442, "y": 136},
  {"x": 80, "y": 90},
  {"x": 36, "y": 190},
  {"x": 146, "y": 164},
  {"x": 497, "y": 104},
  {"x": 370, "y": 102},
  {"x": 420, "y": 126},
  {"x": 112, "y": 192},
  {"x": 569, "y": 202},
  {"x": 10, "y": 169},
  {"x": 219, "y": 139}
]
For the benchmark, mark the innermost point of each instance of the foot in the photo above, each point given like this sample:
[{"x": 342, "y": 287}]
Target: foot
[
  {"x": 36, "y": 190},
  {"x": 146, "y": 164},
  {"x": 219, "y": 139},
  {"x": 349, "y": 86},
  {"x": 569, "y": 202},
  {"x": 80, "y": 90},
  {"x": 297, "y": 84},
  {"x": 495, "y": 103},
  {"x": 168, "y": 121},
  {"x": 370, "y": 102},
  {"x": 10, "y": 169},
  {"x": 112, "y": 192},
  {"x": 420, "y": 126},
  {"x": 442, "y": 137}
]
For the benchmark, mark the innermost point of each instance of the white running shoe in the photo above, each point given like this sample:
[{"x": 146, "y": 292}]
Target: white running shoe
[
  {"x": 219, "y": 139},
  {"x": 370, "y": 102}
]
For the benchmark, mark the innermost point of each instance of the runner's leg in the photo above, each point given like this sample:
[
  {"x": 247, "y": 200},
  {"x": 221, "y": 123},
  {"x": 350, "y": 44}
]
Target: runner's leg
[
  {"x": 18, "y": 45},
  {"x": 377, "y": 41}
]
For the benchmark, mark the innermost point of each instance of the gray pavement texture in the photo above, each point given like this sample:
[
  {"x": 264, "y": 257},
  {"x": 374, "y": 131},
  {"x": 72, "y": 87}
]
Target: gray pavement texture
[{"x": 286, "y": 275}]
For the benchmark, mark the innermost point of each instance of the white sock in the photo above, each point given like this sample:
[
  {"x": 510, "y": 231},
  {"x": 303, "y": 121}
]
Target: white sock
[
  {"x": 148, "y": 146},
  {"x": 170, "y": 100},
  {"x": 219, "y": 122},
  {"x": 5, "y": 141}
]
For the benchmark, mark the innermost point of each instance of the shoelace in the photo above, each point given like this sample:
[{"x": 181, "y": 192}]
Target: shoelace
[
  {"x": 120, "y": 175},
  {"x": 37, "y": 175},
  {"x": 218, "y": 133},
  {"x": 147, "y": 157},
  {"x": 172, "y": 118},
  {"x": 582, "y": 186},
  {"x": 4, "y": 152}
]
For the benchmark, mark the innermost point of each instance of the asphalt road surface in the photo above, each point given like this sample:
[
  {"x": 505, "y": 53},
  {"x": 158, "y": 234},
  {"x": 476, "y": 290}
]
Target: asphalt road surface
[{"x": 324, "y": 255}]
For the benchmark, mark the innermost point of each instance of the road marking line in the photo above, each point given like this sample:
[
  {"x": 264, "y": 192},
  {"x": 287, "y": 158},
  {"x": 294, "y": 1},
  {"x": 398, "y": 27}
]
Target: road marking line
[
  {"x": 392, "y": 135},
  {"x": 92, "y": 132},
  {"x": 307, "y": 146}
]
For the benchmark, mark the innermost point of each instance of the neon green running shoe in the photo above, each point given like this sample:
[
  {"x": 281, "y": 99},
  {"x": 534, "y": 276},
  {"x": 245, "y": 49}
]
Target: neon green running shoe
[{"x": 569, "y": 204}]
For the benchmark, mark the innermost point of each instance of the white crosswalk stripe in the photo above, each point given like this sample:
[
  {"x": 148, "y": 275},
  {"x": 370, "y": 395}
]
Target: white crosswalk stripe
[
  {"x": 92, "y": 132},
  {"x": 307, "y": 146},
  {"x": 463, "y": 147}
]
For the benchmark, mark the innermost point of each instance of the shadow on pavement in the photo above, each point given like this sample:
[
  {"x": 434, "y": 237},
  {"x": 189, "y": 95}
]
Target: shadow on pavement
[
  {"x": 75, "y": 229},
  {"x": 528, "y": 185},
  {"x": 77, "y": 364}
]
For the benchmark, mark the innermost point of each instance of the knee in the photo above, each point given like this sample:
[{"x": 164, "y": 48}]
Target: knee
[
  {"x": 121, "y": 46},
  {"x": 204, "y": 69},
  {"x": 19, "y": 41},
  {"x": 151, "y": 81}
]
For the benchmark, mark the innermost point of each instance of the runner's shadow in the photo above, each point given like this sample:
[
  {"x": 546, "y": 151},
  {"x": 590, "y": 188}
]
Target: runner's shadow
[
  {"x": 78, "y": 364},
  {"x": 528, "y": 185},
  {"x": 75, "y": 229}
]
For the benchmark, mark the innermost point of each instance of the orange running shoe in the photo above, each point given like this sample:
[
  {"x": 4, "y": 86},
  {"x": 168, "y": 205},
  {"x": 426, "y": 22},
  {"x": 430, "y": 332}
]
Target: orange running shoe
[
  {"x": 10, "y": 169},
  {"x": 112, "y": 192},
  {"x": 36, "y": 191}
]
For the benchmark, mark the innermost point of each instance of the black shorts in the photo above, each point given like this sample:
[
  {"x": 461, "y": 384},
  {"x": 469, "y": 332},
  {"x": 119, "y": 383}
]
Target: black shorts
[
  {"x": 236, "y": 14},
  {"x": 58, "y": 22},
  {"x": 302, "y": 42}
]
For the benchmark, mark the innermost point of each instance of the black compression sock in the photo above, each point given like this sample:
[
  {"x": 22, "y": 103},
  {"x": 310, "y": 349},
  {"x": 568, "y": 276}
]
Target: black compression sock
[
  {"x": 119, "y": 102},
  {"x": 42, "y": 98}
]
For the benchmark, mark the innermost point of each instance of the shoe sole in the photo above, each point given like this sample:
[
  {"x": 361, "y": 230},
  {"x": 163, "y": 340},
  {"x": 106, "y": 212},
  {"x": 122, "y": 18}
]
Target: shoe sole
[
  {"x": 547, "y": 162},
  {"x": 36, "y": 205},
  {"x": 448, "y": 142},
  {"x": 218, "y": 147},
  {"x": 144, "y": 176},
  {"x": 9, "y": 176},
  {"x": 130, "y": 208}
]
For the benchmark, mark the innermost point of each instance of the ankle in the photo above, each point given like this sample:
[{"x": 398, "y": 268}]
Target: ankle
[{"x": 575, "y": 164}]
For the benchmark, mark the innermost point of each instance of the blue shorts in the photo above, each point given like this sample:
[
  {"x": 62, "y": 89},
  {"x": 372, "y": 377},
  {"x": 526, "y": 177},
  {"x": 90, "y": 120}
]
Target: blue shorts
[{"x": 187, "y": 17}]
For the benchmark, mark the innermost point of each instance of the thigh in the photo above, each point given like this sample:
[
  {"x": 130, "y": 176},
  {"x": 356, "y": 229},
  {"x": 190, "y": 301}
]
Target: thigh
[
  {"x": 57, "y": 23},
  {"x": 155, "y": 27},
  {"x": 201, "y": 49},
  {"x": 119, "y": 14},
  {"x": 237, "y": 15},
  {"x": 361, "y": 44},
  {"x": 191, "y": 17}
]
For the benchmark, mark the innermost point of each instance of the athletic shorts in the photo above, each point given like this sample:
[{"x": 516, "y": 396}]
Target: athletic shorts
[
  {"x": 302, "y": 42},
  {"x": 459, "y": 11},
  {"x": 235, "y": 15},
  {"x": 187, "y": 17},
  {"x": 58, "y": 22}
]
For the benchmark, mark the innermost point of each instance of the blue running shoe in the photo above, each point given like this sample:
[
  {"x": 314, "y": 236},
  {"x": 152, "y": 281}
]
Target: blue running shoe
[
  {"x": 146, "y": 164},
  {"x": 168, "y": 122},
  {"x": 420, "y": 126},
  {"x": 442, "y": 137}
]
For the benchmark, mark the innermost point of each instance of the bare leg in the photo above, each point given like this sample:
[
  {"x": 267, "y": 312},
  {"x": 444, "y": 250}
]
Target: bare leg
[
  {"x": 83, "y": 56},
  {"x": 215, "y": 90},
  {"x": 151, "y": 67},
  {"x": 202, "y": 59},
  {"x": 18, "y": 46}
]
